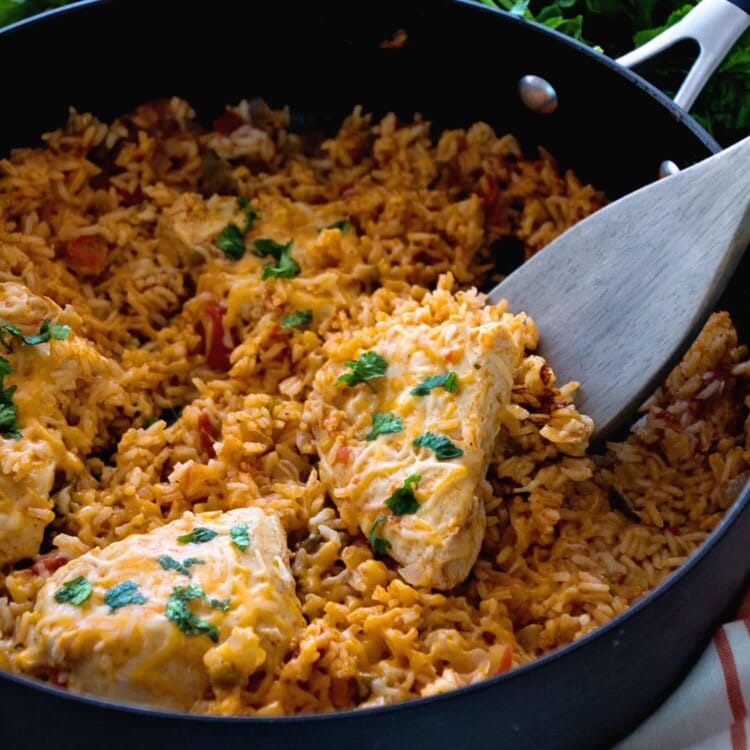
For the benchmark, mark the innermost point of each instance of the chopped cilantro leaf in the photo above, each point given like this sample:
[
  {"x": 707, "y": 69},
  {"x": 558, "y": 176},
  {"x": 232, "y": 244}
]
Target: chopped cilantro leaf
[
  {"x": 46, "y": 332},
  {"x": 9, "y": 426},
  {"x": 266, "y": 246},
  {"x": 447, "y": 381},
  {"x": 384, "y": 422},
  {"x": 221, "y": 604},
  {"x": 231, "y": 241},
  {"x": 379, "y": 545},
  {"x": 297, "y": 318},
  {"x": 179, "y": 613},
  {"x": 122, "y": 594},
  {"x": 286, "y": 267},
  {"x": 370, "y": 365},
  {"x": 198, "y": 535},
  {"x": 403, "y": 500},
  {"x": 75, "y": 591},
  {"x": 443, "y": 447},
  {"x": 239, "y": 536},
  {"x": 344, "y": 225},
  {"x": 169, "y": 563},
  {"x": 251, "y": 213}
]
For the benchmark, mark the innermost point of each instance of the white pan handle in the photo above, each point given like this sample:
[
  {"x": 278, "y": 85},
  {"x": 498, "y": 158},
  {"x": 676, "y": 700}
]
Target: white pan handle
[{"x": 715, "y": 25}]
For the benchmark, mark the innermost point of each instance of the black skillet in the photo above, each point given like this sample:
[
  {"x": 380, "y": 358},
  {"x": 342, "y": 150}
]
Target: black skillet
[{"x": 462, "y": 62}]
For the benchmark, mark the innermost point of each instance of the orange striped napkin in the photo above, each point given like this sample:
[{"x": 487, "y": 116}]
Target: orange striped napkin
[{"x": 709, "y": 710}]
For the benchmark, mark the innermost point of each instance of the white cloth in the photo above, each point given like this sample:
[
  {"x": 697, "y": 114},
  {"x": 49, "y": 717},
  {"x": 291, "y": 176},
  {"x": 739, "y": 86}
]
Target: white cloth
[{"x": 709, "y": 710}]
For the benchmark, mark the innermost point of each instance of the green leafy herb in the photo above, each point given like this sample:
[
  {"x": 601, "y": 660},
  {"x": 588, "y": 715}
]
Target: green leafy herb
[
  {"x": 75, "y": 591},
  {"x": 286, "y": 267},
  {"x": 231, "y": 239},
  {"x": 198, "y": 535},
  {"x": 379, "y": 545},
  {"x": 239, "y": 536},
  {"x": 221, "y": 604},
  {"x": 297, "y": 318},
  {"x": 440, "y": 444},
  {"x": 342, "y": 224},
  {"x": 169, "y": 563},
  {"x": 122, "y": 594},
  {"x": 149, "y": 421},
  {"x": 403, "y": 500},
  {"x": 179, "y": 613},
  {"x": 46, "y": 332},
  {"x": 370, "y": 365},
  {"x": 251, "y": 213},
  {"x": 447, "y": 381},
  {"x": 384, "y": 422},
  {"x": 9, "y": 426}
]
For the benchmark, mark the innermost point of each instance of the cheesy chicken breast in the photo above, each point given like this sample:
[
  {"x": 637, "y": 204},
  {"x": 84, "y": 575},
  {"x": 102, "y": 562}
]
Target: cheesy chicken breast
[
  {"x": 200, "y": 604},
  {"x": 43, "y": 431},
  {"x": 405, "y": 415}
]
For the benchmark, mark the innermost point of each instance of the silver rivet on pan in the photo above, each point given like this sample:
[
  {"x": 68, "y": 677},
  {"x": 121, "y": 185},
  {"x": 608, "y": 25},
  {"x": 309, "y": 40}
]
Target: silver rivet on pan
[
  {"x": 667, "y": 168},
  {"x": 538, "y": 94}
]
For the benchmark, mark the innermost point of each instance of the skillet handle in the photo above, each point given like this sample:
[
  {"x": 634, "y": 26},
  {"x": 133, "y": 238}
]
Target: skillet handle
[{"x": 715, "y": 25}]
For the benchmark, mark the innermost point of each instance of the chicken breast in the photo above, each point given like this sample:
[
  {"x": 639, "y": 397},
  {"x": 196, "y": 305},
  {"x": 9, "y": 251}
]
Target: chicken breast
[
  {"x": 203, "y": 602},
  {"x": 404, "y": 453},
  {"x": 49, "y": 383}
]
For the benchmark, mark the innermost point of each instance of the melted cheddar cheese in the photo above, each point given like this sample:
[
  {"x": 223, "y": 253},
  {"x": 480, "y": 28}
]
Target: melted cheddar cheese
[
  {"x": 54, "y": 382},
  {"x": 438, "y": 544},
  {"x": 136, "y": 652}
]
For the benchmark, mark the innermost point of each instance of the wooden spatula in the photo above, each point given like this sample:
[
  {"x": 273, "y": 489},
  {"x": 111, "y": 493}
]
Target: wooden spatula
[{"x": 620, "y": 296}]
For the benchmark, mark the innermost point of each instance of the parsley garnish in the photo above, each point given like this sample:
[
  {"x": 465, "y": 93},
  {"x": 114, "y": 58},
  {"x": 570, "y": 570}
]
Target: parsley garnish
[
  {"x": 447, "y": 381},
  {"x": 198, "y": 535},
  {"x": 384, "y": 422},
  {"x": 379, "y": 545},
  {"x": 403, "y": 501},
  {"x": 75, "y": 591},
  {"x": 9, "y": 426},
  {"x": 297, "y": 318},
  {"x": 123, "y": 594},
  {"x": 286, "y": 267},
  {"x": 169, "y": 563},
  {"x": 179, "y": 613},
  {"x": 342, "y": 224},
  {"x": 440, "y": 444},
  {"x": 231, "y": 239},
  {"x": 240, "y": 537},
  {"x": 251, "y": 213},
  {"x": 370, "y": 365},
  {"x": 46, "y": 332}
]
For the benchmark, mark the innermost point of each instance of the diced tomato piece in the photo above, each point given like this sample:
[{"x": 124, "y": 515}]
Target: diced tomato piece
[
  {"x": 86, "y": 253},
  {"x": 343, "y": 454},
  {"x": 218, "y": 341},
  {"x": 506, "y": 661},
  {"x": 207, "y": 433},
  {"x": 227, "y": 123},
  {"x": 49, "y": 564},
  {"x": 53, "y": 675}
]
